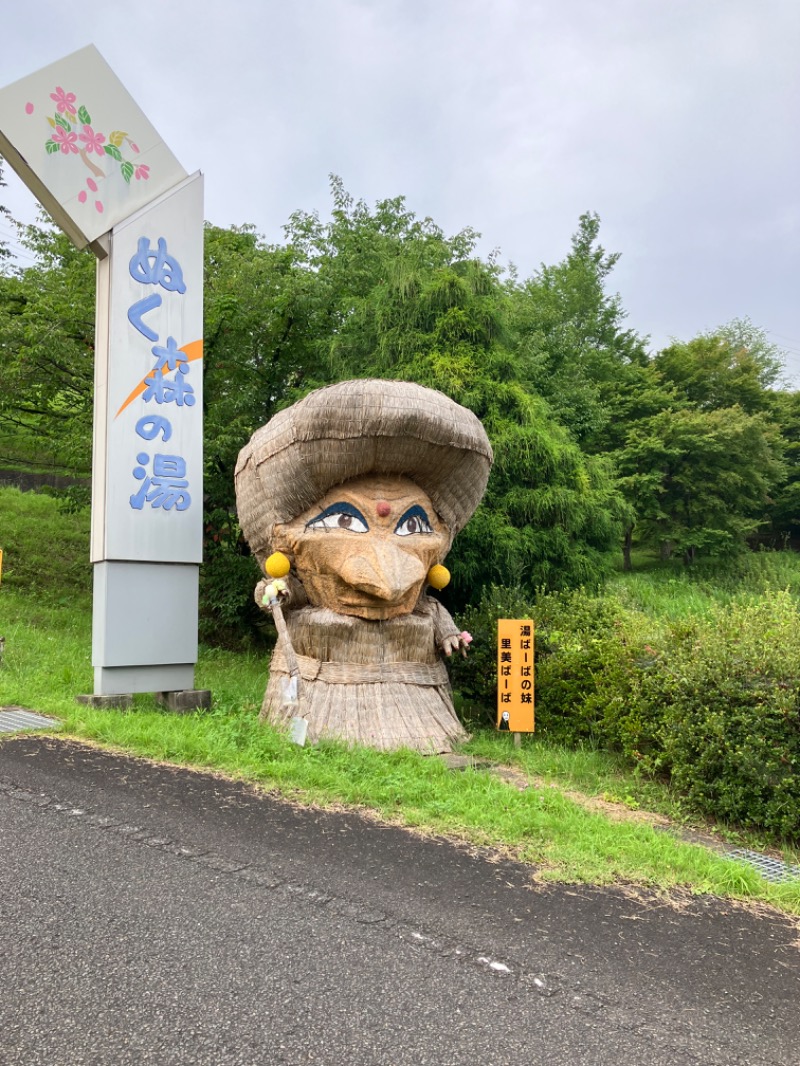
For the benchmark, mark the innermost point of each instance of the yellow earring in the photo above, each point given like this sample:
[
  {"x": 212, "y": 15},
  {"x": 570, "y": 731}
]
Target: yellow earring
[
  {"x": 438, "y": 576},
  {"x": 278, "y": 565}
]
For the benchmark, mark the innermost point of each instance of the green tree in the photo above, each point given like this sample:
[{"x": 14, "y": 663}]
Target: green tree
[
  {"x": 5, "y": 217},
  {"x": 734, "y": 365},
  {"x": 574, "y": 346},
  {"x": 259, "y": 347},
  {"x": 408, "y": 303},
  {"x": 352, "y": 256},
  {"x": 570, "y": 332},
  {"x": 700, "y": 481},
  {"x": 259, "y": 352},
  {"x": 733, "y": 369},
  {"x": 47, "y": 350},
  {"x": 783, "y": 525}
]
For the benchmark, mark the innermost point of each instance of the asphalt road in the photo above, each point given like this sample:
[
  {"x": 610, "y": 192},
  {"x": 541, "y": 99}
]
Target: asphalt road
[{"x": 156, "y": 915}]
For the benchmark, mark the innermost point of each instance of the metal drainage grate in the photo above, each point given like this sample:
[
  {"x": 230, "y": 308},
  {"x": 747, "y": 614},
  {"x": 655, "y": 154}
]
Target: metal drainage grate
[
  {"x": 770, "y": 869},
  {"x": 14, "y": 720}
]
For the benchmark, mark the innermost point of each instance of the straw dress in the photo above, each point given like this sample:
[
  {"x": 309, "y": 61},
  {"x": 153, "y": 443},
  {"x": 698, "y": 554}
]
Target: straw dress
[{"x": 380, "y": 683}]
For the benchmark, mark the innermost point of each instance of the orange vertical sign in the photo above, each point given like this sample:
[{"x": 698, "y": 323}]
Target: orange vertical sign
[{"x": 515, "y": 675}]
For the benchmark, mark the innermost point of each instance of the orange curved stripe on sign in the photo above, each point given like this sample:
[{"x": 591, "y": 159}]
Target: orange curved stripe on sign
[{"x": 193, "y": 350}]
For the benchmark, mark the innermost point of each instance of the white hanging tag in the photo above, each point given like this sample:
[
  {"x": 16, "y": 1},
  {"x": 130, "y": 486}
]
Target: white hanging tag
[{"x": 298, "y": 731}]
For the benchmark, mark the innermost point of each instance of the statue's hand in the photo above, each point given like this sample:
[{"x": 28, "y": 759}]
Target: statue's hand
[
  {"x": 451, "y": 644},
  {"x": 276, "y": 592},
  {"x": 269, "y": 589},
  {"x": 258, "y": 595}
]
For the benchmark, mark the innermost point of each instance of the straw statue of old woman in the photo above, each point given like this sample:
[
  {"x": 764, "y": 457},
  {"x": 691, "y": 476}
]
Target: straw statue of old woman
[{"x": 358, "y": 491}]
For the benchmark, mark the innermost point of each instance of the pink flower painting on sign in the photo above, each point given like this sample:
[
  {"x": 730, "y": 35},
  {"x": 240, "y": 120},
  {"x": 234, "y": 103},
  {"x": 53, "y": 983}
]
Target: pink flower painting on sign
[
  {"x": 93, "y": 142},
  {"x": 72, "y": 133},
  {"x": 64, "y": 101},
  {"x": 66, "y": 141}
]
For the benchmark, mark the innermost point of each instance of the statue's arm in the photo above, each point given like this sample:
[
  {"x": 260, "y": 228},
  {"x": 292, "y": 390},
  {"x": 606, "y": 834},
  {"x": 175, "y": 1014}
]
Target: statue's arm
[{"x": 445, "y": 632}]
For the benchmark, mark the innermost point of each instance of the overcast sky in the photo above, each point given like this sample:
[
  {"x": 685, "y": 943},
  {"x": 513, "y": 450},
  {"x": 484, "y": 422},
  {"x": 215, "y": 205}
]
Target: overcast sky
[{"x": 675, "y": 120}]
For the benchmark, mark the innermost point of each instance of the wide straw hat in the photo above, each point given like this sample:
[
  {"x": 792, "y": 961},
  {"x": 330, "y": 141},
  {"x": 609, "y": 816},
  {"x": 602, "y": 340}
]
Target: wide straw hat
[{"x": 355, "y": 428}]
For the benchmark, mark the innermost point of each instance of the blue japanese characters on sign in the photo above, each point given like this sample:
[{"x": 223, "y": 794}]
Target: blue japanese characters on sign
[{"x": 164, "y": 484}]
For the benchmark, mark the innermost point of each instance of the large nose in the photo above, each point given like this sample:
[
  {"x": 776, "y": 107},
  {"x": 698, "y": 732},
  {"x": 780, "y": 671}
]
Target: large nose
[{"x": 383, "y": 570}]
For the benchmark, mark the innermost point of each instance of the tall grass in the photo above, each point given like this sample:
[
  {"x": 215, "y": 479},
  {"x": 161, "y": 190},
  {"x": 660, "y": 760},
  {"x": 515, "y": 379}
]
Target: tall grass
[
  {"x": 674, "y": 592},
  {"x": 45, "y": 551},
  {"x": 26, "y": 451}
]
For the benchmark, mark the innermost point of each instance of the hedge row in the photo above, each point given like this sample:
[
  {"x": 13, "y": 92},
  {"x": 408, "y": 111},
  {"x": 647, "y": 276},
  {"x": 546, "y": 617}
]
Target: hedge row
[{"x": 712, "y": 701}]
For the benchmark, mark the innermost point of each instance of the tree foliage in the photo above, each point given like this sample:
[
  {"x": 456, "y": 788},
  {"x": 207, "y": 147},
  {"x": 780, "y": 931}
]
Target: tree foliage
[
  {"x": 47, "y": 350},
  {"x": 410, "y": 304},
  {"x": 574, "y": 346},
  {"x": 258, "y": 350},
  {"x": 594, "y": 439},
  {"x": 733, "y": 366},
  {"x": 5, "y": 216},
  {"x": 783, "y": 525},
  {"x": 702, "y": 469},
  {"x": 701, "y": 480}
]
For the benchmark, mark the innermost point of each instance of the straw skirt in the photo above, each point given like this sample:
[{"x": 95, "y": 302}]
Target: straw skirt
[{"x": 378, "y": 683}]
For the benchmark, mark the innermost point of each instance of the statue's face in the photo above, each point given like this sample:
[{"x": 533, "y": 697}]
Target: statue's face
[{"x": 366, "y": 547}]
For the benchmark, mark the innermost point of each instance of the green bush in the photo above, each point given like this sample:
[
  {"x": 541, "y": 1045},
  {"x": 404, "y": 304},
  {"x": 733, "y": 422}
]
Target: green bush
[
  {"x": 731, "y": 715},
  {"x": 711, "y": 699},
  {"x": 228, "y": 576},
  {"x": 583, "y": 666},
  {"x": 585, "y": 656}
]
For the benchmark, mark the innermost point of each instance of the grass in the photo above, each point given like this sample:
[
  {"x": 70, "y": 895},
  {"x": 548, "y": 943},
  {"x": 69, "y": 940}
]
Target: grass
[
  {"x": 45, "y": 552},
  {"x": 584, "y": 769},
  {"x": 675, "y": 592},
  {"x": 45, "y": 616},
  {"x": 48, "y": 660}
]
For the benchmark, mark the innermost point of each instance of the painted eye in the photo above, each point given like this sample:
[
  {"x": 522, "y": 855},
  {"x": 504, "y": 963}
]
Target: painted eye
[
  {"x": 340, "y": 516},
  {"x": 413, "y": 521}
]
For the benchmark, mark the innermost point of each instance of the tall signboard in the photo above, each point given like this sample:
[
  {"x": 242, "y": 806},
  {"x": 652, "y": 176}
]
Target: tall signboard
[{"x": 78, "y": 140}]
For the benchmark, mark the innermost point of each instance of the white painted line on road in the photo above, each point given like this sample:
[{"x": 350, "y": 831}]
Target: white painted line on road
[{"x": 498, "y": 967}]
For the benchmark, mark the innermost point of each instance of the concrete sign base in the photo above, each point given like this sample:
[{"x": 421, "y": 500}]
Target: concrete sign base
[
  {"x": 144, "y": 633},
  {"x": 105, "y": 703},
  {"x": 195, "y": 699}
]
